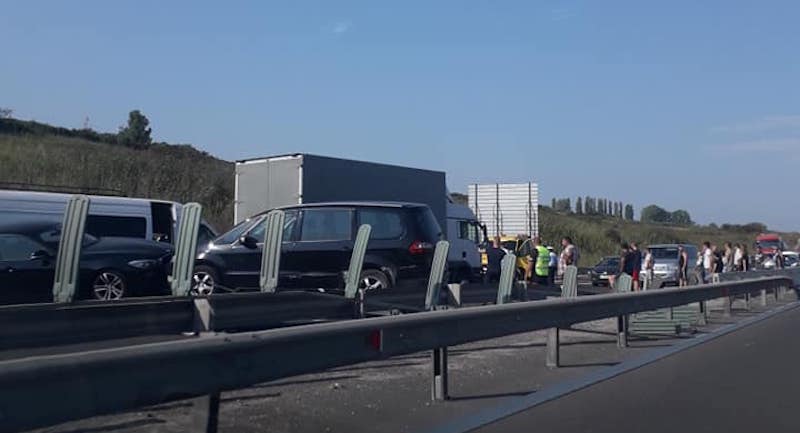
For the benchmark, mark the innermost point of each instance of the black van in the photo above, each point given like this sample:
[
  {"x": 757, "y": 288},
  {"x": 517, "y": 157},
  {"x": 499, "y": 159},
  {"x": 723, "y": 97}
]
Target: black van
[{"x": 318, "y": 241}]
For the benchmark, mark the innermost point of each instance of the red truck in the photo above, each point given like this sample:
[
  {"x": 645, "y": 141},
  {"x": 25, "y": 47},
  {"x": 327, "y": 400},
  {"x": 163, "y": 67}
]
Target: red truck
[{"x": 769, "y": 243}]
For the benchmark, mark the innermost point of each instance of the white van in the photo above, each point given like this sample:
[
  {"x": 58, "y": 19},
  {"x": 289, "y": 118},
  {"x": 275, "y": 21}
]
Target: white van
[{"x": 108, "y": 216}]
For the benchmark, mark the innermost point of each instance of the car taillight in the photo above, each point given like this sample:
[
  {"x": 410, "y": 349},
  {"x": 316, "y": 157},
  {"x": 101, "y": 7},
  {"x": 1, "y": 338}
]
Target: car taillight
[{"x": 419, "y": 247}]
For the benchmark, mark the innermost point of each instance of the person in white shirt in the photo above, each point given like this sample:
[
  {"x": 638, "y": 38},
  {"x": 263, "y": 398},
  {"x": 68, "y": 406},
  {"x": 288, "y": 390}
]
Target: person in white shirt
[
  {"x": 649, "y": 264},
  {"x": 737, "y": 258},
  {"x": 708, "y": 262}
]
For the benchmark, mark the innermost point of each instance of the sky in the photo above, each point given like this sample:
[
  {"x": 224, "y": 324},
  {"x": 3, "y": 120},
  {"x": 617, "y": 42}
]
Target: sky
[{"x": 681, "y": 104}]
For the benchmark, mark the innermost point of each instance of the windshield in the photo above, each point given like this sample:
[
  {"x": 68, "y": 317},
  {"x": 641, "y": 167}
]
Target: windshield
[
  {"x": 665, "y": 253},
  {"x": 609, "y": 261},
  {"x": 769, "y": 244}
]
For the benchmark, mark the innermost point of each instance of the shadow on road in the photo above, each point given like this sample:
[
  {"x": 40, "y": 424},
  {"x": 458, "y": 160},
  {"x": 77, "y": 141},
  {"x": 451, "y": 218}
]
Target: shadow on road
[
  {"x": 305, "y": 381},
  {"x": 115, "y": 427},
  {"x": 484, "y": 396}
]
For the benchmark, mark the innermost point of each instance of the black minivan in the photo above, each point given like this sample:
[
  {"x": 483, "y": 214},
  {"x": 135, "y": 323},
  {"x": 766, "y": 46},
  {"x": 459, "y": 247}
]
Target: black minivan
[{"x": 318, "y": 241}]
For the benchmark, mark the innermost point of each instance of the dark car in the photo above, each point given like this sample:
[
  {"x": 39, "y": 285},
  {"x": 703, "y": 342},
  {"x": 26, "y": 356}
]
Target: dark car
[
  {"x": 601, "y": 272},
  {"x": 110, "y": 267},
  {"x": 317, "y": 244}
]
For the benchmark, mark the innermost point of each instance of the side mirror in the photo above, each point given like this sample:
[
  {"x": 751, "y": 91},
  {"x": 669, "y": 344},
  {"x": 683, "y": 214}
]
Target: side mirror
[
  {"x": 249, "y": 242},
  {"x": 40, "y": 255}
]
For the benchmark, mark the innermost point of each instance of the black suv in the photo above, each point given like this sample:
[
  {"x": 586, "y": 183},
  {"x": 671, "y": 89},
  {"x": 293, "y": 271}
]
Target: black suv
[
  {"x": 110, "y": 267},
  {"x": 318, "y": 241}
]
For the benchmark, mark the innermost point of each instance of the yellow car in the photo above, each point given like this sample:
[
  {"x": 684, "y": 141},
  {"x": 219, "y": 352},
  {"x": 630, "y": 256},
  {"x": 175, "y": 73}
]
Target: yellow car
[{"x": 521, "y": 246}]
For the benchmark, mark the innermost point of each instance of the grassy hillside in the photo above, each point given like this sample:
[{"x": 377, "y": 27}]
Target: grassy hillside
[
  {"x": 600, "y": 236},
  {"x": 171, "y": 172}
]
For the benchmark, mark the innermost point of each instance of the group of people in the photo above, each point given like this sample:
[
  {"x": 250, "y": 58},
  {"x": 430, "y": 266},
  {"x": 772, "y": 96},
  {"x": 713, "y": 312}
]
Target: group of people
[
  {"x": 541, "y": 263},
  {"x": 712, "y": 261}
]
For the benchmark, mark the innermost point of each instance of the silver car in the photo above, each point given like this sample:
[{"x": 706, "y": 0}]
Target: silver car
[{"x": 666, "y": 261}]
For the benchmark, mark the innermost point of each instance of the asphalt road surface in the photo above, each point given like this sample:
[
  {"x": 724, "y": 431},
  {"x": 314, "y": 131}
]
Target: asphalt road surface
[{"x": 743, "y": 381}]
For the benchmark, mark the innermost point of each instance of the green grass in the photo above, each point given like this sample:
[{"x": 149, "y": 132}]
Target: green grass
[
  {"x": 179, "y": 173},
  {"x": 601, "y": 236}
]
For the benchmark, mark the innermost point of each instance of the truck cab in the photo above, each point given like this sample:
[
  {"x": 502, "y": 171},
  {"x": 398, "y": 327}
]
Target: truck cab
[{"x": 467, "y": 238}]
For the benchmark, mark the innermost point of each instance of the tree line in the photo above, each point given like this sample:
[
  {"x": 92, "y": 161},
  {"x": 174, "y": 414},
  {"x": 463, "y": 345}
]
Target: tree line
[{"x": 594, "y": 206}]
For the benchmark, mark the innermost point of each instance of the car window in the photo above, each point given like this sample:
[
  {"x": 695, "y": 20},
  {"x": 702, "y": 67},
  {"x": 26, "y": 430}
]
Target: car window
[
  {"x": 326, "y": 225},
  {"x": 289, "y": 222},
  {"x": 204, "y": 236},
  {"x": 127, "y": 227},
  {"x": 665, "y": 253},
  {"x": 386, "y": 224},
  {"x": 15, "y": 247},
  {"x": 427, "y": 224}
]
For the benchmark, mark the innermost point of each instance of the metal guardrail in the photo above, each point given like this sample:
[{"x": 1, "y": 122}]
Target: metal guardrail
[{"x": 79, "y": 385}]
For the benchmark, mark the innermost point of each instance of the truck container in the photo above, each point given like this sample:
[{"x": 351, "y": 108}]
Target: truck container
[
  {"x": 506, "y": 209},
  {"x": 269, "y": 182}
]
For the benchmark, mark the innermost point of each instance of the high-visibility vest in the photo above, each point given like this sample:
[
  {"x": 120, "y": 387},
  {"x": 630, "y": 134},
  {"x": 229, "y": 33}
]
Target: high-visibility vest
[{"x": 542, "y": 261}]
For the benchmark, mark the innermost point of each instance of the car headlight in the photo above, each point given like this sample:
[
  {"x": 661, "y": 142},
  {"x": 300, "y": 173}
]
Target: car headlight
[{"x": 143, "y": 263}]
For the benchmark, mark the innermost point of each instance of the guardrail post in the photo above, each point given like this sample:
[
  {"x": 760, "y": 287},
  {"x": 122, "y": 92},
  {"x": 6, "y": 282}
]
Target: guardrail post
[
  {"x": 763, "y": 297},
  {"x": 727, "y": 306},
  {"x": 352, "y": 289},
  {"x": 68, "y": 258},
  {"x": 623, "y": 284},
  {"x": 507, "y": 266},
  {"x": 271, "y": 253},
  {"x": 553, "y": 352},
  {"x": 775, "y": 293},
  {"x": 439, "y": 388},
  {"x": 569, "y": 289},
  {"x": 702, "y": 316},
  {"x": 204, "y": 414},
  {"x": 747, "y": 301},
  {"x": 185, "y": 250},
  {"x": 439, "y": 354}
]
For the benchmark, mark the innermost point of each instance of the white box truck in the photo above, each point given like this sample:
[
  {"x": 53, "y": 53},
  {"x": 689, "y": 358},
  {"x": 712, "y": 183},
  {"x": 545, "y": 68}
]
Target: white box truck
[
  {"x": 506, "y": 209},
  {"x": 269, "y": 182}
]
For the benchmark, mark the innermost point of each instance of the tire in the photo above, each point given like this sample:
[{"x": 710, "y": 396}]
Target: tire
[
  {"x": 204, "y": 280},
  {"x": 373, "y": 280},
  {"x": 108, "y": 285}
]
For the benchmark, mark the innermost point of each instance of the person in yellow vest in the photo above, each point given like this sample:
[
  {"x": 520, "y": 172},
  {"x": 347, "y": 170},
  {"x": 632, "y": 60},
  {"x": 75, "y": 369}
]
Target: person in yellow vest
[{"x": 541, "y": 259}]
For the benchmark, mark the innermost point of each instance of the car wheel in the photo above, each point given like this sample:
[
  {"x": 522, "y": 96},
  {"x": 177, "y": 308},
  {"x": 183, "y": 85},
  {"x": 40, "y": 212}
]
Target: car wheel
[
  {"x": 204, "y": 281},
  {"x": 108, "y": 285},
  {"x": 373, "y": 280}
]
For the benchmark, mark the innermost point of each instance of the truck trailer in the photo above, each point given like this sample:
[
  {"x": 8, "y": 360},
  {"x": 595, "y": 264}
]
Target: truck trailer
[
  {"x": 506, "y": 209},
  {"x": 273, "y": 181}
]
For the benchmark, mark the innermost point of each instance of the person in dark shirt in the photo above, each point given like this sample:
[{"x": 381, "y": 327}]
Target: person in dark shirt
[
  {"x": 636, "y": 258},
  {"x": 494, "y": 255}
]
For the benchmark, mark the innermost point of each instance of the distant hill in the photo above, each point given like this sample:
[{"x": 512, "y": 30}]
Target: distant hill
[{"x": 33, "y": 153}]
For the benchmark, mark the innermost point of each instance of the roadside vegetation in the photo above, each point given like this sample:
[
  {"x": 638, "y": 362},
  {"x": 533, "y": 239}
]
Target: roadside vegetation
[{"x": 127, "y": 163}]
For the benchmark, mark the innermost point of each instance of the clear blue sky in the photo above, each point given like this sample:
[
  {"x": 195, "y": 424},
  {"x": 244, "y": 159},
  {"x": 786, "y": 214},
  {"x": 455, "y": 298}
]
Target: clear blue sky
[{"x": 678, "y": 103}]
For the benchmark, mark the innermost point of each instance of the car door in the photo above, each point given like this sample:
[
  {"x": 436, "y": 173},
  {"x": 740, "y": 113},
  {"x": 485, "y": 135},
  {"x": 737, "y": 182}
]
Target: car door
[
  {"x": 243, "y": 262},
  {"x": 324, "y": 246},
  {"x": 26, "y": 270}
]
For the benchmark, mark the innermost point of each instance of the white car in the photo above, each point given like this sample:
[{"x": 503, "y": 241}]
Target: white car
[{"x": 791, "y": 259}]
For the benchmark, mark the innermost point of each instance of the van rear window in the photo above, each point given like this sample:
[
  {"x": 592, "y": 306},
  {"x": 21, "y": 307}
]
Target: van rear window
[{"x": 120, "y": 226}]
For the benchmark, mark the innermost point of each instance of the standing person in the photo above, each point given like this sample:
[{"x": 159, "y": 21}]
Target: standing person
[
  {"x": 541, "y": 261},
  {"x": 718, "y": 263},
  {"x": 737, "y": 258},
  {"x": 626, "y": 260},
  {"x": 569, "y": 254},
  {"x": 699, "y": 269},
  {"x": 745, "y": 259},
  {"x": 779, "y": 259},
  {"x": 683, "y": 267},
  {"x": 636, "y": 258},
  {"x": 708, "y": 262},
  {"x": 649, "y": 264},
  {"x": 727, "y": 258},
  {"x": 494, "y": 256},
  {"x": 552, "y": 267}
]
